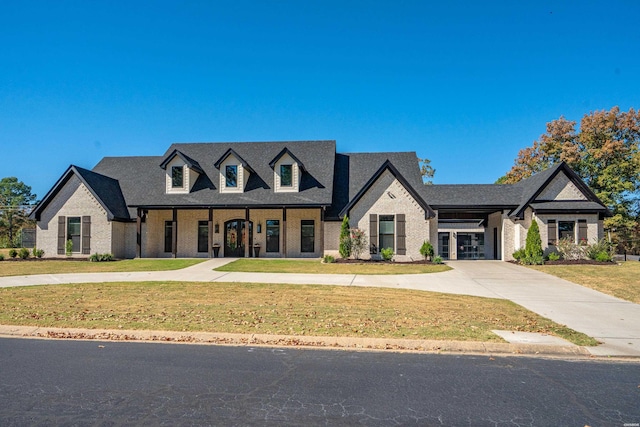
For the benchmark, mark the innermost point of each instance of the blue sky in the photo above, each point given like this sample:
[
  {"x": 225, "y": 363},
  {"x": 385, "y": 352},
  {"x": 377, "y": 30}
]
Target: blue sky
[{"x": 465, "y": 84}]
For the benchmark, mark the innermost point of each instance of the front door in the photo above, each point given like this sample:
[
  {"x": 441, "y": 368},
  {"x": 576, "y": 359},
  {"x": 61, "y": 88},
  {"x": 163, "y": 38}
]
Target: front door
[{"x": 235, "y": 238}]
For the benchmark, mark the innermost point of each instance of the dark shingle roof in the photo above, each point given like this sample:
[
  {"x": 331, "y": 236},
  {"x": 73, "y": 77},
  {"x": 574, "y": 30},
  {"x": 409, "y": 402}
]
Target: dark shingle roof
[
  {"x": 143, "y": 181},
  {"x": 464, "y": 195}
]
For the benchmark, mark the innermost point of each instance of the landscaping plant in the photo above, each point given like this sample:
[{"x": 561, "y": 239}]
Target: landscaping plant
[
  {"x": 533, "y": 247},
  {"x": 345, "y": 239},
  {"x": 69, "y": 247},
  {"x": 359, "y": 242},
  {"x": 426, "y": 250},
  {"x": 23, "y": 253},
  {"x": 387, "y": 254}
]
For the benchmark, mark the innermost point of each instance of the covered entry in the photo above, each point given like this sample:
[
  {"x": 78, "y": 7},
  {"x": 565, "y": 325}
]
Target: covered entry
[{"x": 235, "y": 238}]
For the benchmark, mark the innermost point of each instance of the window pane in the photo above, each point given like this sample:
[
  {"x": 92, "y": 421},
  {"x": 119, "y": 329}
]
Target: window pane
[
  {"x": 307, "y": 233},
  {"x": 566, "y": 230},
  {"x": 286, "y": 175},
  {"x": 231, "y": 174},
  {"x": 176, "y": 177},
  {"x": 73, "y": 232},
  {"x": 273, "y": 235},
  {"x": 168, "y": 236},
  {"x": 203, "y": 236}
]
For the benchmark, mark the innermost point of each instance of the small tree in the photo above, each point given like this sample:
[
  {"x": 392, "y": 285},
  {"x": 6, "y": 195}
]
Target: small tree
[
  {"x": 69, "y": 247},
  {"x": 426, "y": 250},
  {"x": 358, "y": 242},
  {"x": 533, "y": 247},
  {"x": 345, "y": 239}
]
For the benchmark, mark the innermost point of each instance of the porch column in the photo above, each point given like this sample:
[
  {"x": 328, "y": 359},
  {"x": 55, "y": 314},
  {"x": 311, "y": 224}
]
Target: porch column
[
  {"x": 247, "y": 249},
  {"x": 139, "y": 233},
  {"x": 174, "y": 236},
  {"x": 284, "y": 232},
  {"x": 210, "y": 233},
  {"x": 322, "y": 232}
]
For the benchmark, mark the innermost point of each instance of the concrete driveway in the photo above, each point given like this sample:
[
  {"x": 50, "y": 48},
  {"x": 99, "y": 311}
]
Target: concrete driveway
[{"x": 610, "y": 320}]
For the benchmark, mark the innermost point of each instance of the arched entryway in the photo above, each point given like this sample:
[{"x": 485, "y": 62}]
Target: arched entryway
[{"x": 235, "y": 238}]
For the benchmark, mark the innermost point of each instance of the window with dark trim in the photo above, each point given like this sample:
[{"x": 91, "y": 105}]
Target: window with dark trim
[
  {"x": 73, "y": 232},
  {"x": 286, "y": 175},
  {"x": 203, "y": 236},
  {"x": 386, "y": 228},
  {"x": 273, "y": 235},
  {"x": 177, "y": 177},
  {"x": 566, "y": 230},
  {"x": 231, "y": 175},
  {"x": 307, "y": 236},
  {"x": 168, "y": 236}
]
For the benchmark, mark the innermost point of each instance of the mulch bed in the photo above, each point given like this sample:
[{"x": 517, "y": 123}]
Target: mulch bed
[
  {"x": 379, "y": 261},
  {"x": 573, "y": 262},
  {"x": 18, "y": 259}
]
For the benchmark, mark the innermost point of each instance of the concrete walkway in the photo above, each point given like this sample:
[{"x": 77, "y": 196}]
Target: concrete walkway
[{"x": 610, "y": 320}]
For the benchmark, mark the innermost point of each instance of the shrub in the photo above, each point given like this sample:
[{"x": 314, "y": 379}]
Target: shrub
[
  {"x": 38, "y": 253},
  {"x": 426, "y": 250},
  {"x": 601, "y": 249},
  {"x": 437, "y": 259},
  {"x": 387, "y": 254},
  {"x": 345, "y": 239},
  {"x": 69, "y": 247},
  {"x": 553, "y": 256},
  {"x": 13, "y": 253},
  {"x": 533, "y": 247},
  {"x": 519, "y": 254},
  {"x": 24, "y": 253},
  {"x": 358, "y": 242},
  {"x": 569, "y": 250},
  {"x": 101, "y": 257},
  {"x": 328, "y": 259},
  {"x": 1, "y": 257}
]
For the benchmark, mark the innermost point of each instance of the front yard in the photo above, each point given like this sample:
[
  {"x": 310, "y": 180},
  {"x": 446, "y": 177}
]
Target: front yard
[
  {"x": 619, "y": 280},
  {"x": 316, "y": 267},
  {"x": 273, "y": 309},
  {"x": 46, "y": 266}
]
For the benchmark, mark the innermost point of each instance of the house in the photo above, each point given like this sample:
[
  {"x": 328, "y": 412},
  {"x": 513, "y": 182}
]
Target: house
[{"x": 288, "y": 198}]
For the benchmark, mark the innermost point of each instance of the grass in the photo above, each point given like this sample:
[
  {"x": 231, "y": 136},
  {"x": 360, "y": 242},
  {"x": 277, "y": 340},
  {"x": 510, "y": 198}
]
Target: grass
[
  {"x": 315, "y": 267},
  {"x": 11, "y": 268},
  {"x": 273, "y": 309},
  {"x": 619, "y": 280}
]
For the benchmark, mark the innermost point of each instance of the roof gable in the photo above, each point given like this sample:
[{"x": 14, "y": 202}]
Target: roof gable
[
  {"x": 388, "y": 166},
  {"x": 104, "y": 189},
  {"x": 191, "y": 163},
  {"x": 284, "y": 151},
  {"x": 232, "y": 152}
]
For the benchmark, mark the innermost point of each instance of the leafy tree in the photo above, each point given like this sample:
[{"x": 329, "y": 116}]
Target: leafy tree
[
  {"x": 359, "y": 242},
  {"x": 426, "y": 250},
  {"x": 604, "y": 152},
  {"x": 15, "y": 200},
  {"x": 345, "y": 239},
  {"x": 427, "y": 171}
]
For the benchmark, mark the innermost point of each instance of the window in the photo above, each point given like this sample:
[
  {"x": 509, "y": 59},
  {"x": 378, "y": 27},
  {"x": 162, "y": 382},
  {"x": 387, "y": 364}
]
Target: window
[
  {"x": 231, "y": 175},
  {"x": 307, "y": 236},
  {"x": 566, "y": 229},
  {"x": 286, "y": 175},
  {"x": 168, "y": 236},
  {"x": 273, "y": 235},
  {"x": 203, "y": 236},
  {"x": 177, "y": 177},
  {"x": 386, "y": 232},
  {"x": 73, "y": 232}
]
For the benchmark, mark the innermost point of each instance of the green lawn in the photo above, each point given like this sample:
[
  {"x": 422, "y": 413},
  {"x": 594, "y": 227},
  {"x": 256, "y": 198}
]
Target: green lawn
[
  {"x": 273, "y": 309},
  {"x": 619, "y": 280},
  {"x": 315, "y": 267},
  {"x": 21, "y": 268}
]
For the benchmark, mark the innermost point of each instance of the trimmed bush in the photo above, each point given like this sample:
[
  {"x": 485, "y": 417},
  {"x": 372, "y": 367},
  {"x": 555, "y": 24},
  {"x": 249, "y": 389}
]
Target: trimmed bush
[
  {"x": 1, "y": 257},
  {"x": 328, "y": 259},
  {"x": 533, "y": 248},
  {"x": 519, "y": 254},
  {"x": 437, "y": 259},
  {"x": 387, "y": 254},
  {"x": 24, "y": 253},
  {"x": 13, "y": 253},
  {"x": 553, "y": 256},
  {"x": 101, "y": 257},
  {"x": 426, "y": 250},
  {"x": 344, "y": 246},
  {"x": 603, "y": 257}
]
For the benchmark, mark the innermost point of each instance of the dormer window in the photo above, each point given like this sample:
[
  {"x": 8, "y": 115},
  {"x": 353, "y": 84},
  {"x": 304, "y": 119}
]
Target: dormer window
[
  {"x": 177, "y": 177},
  {"x": 231, "y": 175},
  {"x": 286, "y": 175}
]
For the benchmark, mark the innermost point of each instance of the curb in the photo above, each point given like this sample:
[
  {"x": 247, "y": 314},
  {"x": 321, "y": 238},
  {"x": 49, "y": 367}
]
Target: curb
[{"x": 344, "y": 343}]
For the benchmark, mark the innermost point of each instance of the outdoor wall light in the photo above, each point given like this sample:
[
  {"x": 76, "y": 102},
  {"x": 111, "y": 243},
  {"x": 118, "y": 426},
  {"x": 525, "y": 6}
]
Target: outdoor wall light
[
  {"x": 217, "y": 228},
  {"x": 259, "y": 227}
]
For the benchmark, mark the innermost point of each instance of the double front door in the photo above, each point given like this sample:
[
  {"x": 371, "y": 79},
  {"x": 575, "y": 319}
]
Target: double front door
[{"x": 235, "y": 237}]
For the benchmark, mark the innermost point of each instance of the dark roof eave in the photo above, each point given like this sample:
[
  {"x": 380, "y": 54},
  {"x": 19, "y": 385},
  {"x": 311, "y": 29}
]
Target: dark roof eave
[{"x": 233, "y": 206}]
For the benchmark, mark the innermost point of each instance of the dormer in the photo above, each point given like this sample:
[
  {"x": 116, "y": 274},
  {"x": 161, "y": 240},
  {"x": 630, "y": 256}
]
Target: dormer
[
  {"x": 181, "y": 172},
  {"x": 234, "y": 172},
  {"x": 287, "y": 172}
]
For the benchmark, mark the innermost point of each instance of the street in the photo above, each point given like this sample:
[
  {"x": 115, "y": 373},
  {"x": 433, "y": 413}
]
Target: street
[{"x": 55, "y": 382}]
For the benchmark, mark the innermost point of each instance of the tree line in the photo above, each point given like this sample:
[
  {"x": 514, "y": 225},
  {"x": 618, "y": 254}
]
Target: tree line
[{"x": 16, "y": 202}]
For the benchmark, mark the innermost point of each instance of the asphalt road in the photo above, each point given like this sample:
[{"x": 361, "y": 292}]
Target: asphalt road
[{"x": 45, "y": 382}]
